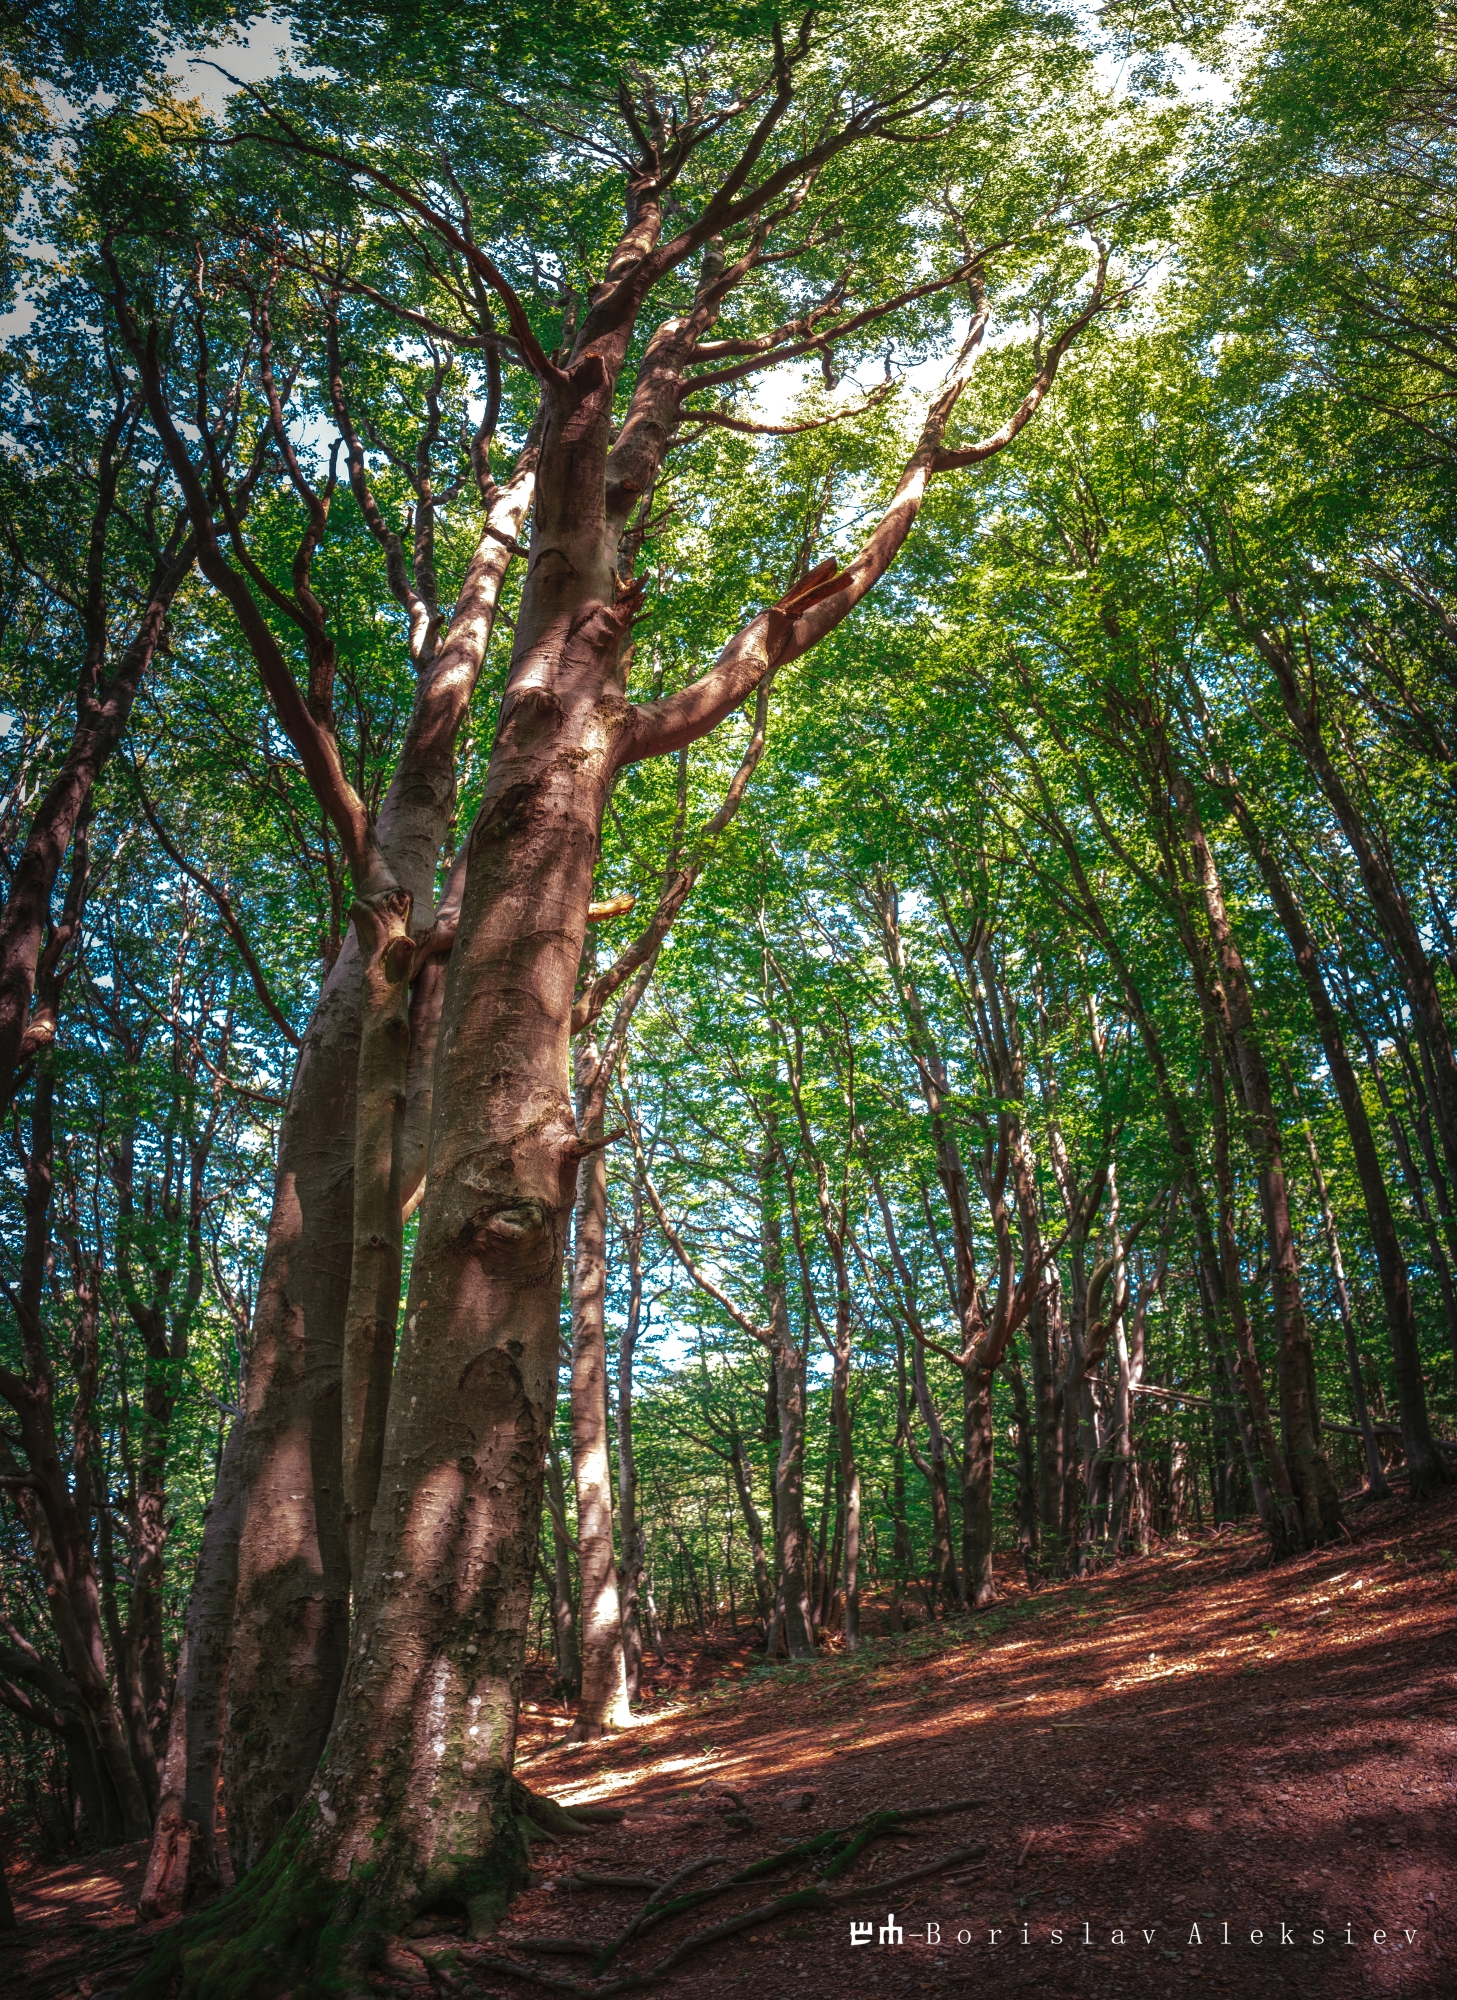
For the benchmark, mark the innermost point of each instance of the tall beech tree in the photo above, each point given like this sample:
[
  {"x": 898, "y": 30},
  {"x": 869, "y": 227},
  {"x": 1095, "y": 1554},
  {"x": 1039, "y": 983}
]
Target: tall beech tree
[
  {"x": 603, "y": 802},
  {"x": 715, "y": 191}
]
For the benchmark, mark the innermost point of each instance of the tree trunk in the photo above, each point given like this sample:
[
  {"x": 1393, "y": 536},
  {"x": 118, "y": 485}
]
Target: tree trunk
[
  {"x": 791, "y": 1542},
  {"x": 1381, "y": 885},
  {"x": 292, "y": 1621},
  {"x": 103, "y": 710},
  {"x": 1027, "y": 1518},
  {"x": 1424, "y": 1461},
  {"x": 977, "y": 1465},
  {"x": 292, "y": 1614},
  {"x": 843, "y": 1420},
  {"x": 1221, "y": 1276},
  {"x": 1310, "y": 1474},
  {"x": 1376, "y": 1484},
  {"x": 932, "y": 1463},
  {"x": 1416, "y": 1188},
  {"x": 56, "y": 1511},
  {"x": 563, "y": 1600},
  {"x": 1120, "y": 1492},
  {"x": 182, "y": 1867},
  {"x": 371, "y": 1314},
  {"x": 630, "y": 1568},
  {"x": 126, "y": 1674},
  {"x": 933, "y": 1468},
  {"x": 754, "y": 1525},
  {"x": 1044, "y": 1321},
  {"x": 604, "y": 1699}
]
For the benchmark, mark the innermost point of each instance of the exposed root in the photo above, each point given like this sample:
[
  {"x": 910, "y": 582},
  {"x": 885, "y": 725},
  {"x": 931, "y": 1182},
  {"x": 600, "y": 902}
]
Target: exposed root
[
  {"x": 831, "y": 1854},
  {"x": 289, "y": 1928},
  {"x": 544, "y": 1819}
]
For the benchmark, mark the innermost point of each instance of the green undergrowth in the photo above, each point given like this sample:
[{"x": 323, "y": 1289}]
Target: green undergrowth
[
  {"x": 959, "y": 1634},
  {"x": 1083, "y": 1598}
]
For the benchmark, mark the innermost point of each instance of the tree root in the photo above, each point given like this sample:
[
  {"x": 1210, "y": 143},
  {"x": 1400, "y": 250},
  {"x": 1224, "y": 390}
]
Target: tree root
[
  {"x": 289, "y": 1927},
  {"x": 832, "y": 1854},
  {"x": 544, "y": 1819},
  {"x": 583, "y": 1880}
]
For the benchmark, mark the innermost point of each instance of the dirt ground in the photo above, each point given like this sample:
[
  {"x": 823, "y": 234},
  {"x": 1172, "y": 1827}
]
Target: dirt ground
[{"x": 1186, "y": 1770}]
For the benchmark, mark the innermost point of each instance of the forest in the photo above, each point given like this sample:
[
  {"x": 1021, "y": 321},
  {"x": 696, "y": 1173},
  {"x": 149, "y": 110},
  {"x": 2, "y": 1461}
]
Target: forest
[{"x": 729, "y": 931}]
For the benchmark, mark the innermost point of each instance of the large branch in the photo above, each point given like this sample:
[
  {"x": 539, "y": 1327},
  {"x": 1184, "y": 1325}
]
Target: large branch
[
  {"x": 772, "y": 348},
  {"x": 401, "y": 584},
  {"x": 532, "y": 352},
  {"x": 725, "y": 420},
  {"x": 806, "y": 614},
  {"x": 680, "y": 1249},
  {"x": 975, "y": 454},
  {"x": 223, "y": 904},
  {"x": 318, "y": 751},
  {"x": 679, "y": 886}
]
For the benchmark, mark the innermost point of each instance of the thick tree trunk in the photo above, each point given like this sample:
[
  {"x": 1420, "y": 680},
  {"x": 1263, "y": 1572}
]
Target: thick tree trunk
[
  {"x": 291, "y": 1625},
  {"x": 292, "y": 1622},
  {"x": 413, "y": 1808},
  {"x": 371, "y": 1314},
  {"x": 1424, "y": 1461}
]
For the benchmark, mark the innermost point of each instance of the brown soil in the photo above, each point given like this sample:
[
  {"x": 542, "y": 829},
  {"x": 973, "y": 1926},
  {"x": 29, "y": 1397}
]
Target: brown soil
[
  {"x": 1192, "y": 1741},
  {"x": 78, "y": 1932}
]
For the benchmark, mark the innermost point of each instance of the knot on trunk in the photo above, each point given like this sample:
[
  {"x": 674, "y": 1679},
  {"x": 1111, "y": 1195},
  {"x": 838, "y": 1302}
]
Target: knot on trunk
[
  {"x": 520, "y": 1233},
  {"x": 382, "y": 925}
]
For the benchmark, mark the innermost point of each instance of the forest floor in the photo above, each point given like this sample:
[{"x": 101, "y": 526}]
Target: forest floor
[{"x": 1175, "y": 1775}]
